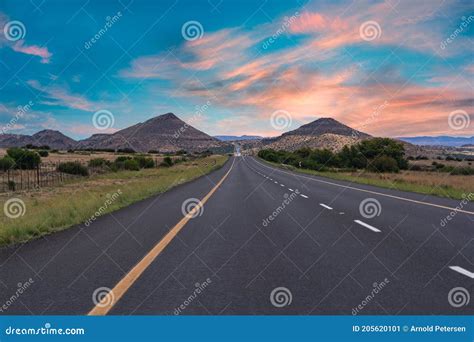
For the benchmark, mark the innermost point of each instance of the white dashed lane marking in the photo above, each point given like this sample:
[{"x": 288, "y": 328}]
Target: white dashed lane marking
[
  {"x": 304, "y": 196},
  {"x": 367, "y": 226},
  {"x": 325, "y": 206},
  {"x": 463, "y": 271}
]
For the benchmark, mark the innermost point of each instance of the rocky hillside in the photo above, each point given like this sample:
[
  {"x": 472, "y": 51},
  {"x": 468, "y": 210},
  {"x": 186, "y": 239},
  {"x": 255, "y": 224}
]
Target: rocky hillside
[
  {"x": 51, "y": 138},
  {"x": 164, "y": 133},
  {"x": 321, "y": 133}
]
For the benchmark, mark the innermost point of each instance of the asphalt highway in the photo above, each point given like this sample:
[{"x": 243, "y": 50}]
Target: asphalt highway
[{"x": 262, "y": 241}]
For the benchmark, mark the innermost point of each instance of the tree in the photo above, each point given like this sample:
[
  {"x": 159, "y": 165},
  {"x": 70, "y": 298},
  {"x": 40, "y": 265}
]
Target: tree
[{"x": 24, "y": 159}]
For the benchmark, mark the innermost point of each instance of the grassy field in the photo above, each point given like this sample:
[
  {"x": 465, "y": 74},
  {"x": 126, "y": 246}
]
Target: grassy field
[
  {"x": 433, "y": 183},
  {"x": 53, "y": 209},
  {"x": 85, "y": 156}
]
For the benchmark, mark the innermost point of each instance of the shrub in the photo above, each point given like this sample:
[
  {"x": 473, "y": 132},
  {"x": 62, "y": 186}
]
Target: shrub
[
  {"x": 145, "y": 162},
  {"x": 6, "y": 163},
  {"x": 131, "y": 164},
  {"x": 97, "y": 162},
  {"x": 126, "y": 150},
  {"x": 24, "y": 159},
  {"x": 384, "y": 164},
  {"x": 43, "y": 153},
  {"x": 167, "y": 162},
  {"x": 122, "y": 159},
  {"x": 73, "y": 168}
]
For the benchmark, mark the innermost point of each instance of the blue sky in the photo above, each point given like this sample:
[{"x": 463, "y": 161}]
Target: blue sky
[{"x": 391, "y": 68}]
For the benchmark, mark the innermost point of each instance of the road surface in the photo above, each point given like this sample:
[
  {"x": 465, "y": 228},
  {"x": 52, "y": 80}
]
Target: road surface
[{"x": 264, "y": 241}]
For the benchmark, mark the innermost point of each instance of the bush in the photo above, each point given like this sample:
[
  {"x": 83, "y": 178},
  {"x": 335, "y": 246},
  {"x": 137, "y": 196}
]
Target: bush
[
  {"x": 122, "y": 159},
  {"x": 384, "y": 164},
  {"x": 98, "y": 162},
  {"x": 126, "y": 150},
  {"x": 131, "y": 164},
  {"x": 167, "y": 162},
  {"x": 24, "y": 159},
  {"x": 43, "y": 153},
  {"x": 73, "y": 168},
  {"x": 6, "y": 163},
  {"x": 145, "y": 162}
]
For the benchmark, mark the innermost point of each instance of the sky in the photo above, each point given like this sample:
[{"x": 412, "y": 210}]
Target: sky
[{"x": 387, "y": 68}]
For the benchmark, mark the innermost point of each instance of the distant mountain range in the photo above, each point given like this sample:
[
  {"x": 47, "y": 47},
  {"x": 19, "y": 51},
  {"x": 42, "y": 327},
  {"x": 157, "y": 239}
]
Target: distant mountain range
[
  {"x": 164, "y": 133},
  {"x": 442, "y": 140},
  {"x": 168, "y": 133},
  {"x": 237, "y": 138}
]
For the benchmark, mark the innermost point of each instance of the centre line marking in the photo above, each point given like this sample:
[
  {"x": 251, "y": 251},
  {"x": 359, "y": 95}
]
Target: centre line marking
[
  {"x": 109, "y": 300},
  {"x": 367, "y": 226},
  {"x": 325, "y": 206},
  {"x": 463, "y": 271}
]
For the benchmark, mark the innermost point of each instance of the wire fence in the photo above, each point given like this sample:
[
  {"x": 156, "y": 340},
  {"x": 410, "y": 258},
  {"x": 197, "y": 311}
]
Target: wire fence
[{"x": 44, "y": 175}]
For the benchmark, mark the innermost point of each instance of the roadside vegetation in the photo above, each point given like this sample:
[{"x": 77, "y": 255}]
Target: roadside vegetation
[
  {"x": 379, "y": 162},
  {"x": 52, "y": 209}
]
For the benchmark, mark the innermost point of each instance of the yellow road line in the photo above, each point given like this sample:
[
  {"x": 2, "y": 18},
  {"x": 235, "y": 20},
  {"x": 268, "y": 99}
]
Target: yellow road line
[
  {"x": 108, "y": 301},
  {"x": 370, "y": 191}
]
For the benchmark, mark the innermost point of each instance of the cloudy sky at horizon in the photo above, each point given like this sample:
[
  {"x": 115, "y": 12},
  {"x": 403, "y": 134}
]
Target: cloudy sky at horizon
[{"x": 388, "y": 68}]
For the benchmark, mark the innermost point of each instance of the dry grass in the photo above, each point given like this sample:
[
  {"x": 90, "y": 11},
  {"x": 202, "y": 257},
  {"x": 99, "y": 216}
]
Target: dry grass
[
  {"x": 52, "y": 209},
  {"x": 84, "y": 156},
  {"x": 440, "y": 184}
]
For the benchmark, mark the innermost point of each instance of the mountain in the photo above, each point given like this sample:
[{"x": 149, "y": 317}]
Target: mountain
[
  {"x": 439, "y": 140},
  {"x": 321, "y": 133},
  {"x": 53, "y": 139},
  {"x": 164, "y": 133},
  {"x": 237, "y": 138}
]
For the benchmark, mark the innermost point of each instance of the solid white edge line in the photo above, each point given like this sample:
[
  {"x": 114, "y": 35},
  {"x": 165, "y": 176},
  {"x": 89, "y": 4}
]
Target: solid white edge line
[
  {"x": 325, "y": 206},
  {"x": 369, "y": 191},
  {"x": 463, "y": 271},
  {"x": 367, "y": 226}
]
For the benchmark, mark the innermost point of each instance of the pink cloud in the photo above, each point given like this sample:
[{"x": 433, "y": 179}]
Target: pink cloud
[{"x": 33, "y": 50}]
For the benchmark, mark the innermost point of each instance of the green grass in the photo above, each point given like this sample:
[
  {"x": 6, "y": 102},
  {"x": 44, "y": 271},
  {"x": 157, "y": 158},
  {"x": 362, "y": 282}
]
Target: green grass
[
  {"x": 430, "y": 183},
  {"x": 54, "y": 209}
]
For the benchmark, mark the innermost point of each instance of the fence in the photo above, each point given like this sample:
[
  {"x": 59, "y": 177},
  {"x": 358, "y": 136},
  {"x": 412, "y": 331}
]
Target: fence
[{"x": 44, "y": 175}]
